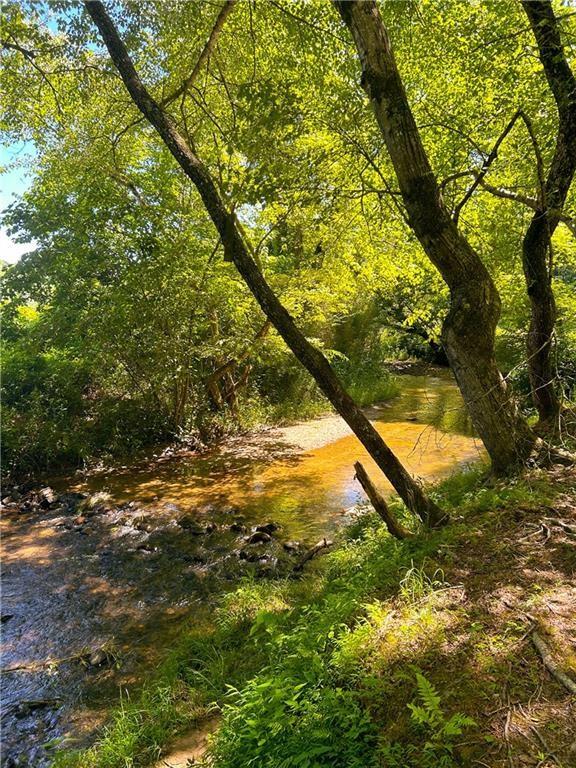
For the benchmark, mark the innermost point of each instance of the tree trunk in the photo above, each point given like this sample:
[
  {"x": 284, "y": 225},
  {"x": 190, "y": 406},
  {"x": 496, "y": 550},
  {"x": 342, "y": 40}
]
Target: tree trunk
[
  {"x": 469, "y": 328},
  {"x": 536, "y": 248},
  {"x": 237, "y": 251},
  {"x": 535, "y": 257},
  {"x": 379, "y": 503}
]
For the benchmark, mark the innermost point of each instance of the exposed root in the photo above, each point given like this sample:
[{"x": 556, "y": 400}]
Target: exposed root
[
  {"x": 551, "y": 665},
  {"x": 546, "y": 455}
]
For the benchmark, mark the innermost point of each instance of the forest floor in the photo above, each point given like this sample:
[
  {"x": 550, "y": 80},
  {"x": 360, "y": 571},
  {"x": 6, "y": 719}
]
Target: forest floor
[{"x": 400, "y": 654}]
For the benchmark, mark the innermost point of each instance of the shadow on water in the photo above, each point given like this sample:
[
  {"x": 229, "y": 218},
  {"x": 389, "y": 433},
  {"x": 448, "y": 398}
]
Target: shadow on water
[{"x": 127, "y": 578}]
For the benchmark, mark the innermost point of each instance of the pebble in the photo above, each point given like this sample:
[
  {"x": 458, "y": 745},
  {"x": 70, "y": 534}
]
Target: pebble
[
  {"x": 259, "y": 537},
  {"x": 268, "y": 528}
]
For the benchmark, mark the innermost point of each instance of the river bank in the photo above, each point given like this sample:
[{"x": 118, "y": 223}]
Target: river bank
[
  {"x": 410, "y": 654},
  {"x": 119, "y": 576}
]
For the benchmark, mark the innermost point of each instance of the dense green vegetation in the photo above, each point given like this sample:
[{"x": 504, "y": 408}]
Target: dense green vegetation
[
  {"x": 242, "y": 213},
  {"x": 124, "y": 325},
  {"x": 344, "y": 666}
]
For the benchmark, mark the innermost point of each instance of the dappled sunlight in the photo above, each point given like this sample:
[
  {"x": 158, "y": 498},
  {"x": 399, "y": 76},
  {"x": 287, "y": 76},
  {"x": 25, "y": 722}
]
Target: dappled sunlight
[{"x": 425, "y": 426}]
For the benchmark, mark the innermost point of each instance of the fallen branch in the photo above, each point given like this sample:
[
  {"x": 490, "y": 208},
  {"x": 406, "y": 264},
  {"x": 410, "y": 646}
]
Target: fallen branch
[
  {"x": 566, "y": 527},
  {"x": 551, "y": 665},
  {"x": 312, "y": 552},
  {"x": 395, "y": 528}
]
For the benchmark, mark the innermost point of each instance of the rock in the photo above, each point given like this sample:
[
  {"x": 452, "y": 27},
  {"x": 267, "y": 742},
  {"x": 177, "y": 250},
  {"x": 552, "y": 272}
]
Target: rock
[
  {"x": 46, "y": 497},
  {"x": 172, "y": 508},
  {"x": 6, "y": 617},
  {"x": 237, "y": 528},
  {"x": 268, "y": 528},
  {"x": 292, "y": 546},
  {"x": 252, "y": 556},
  {"x": 147, "y": 548},
  {"x": 192, "y": 526},
  {"x": 98, "y": 657},
  {"x": 80, "y": 520},
  {"x": 95, "y": 500},
  {"x": 267, "y": 568},
  {"x": 259, "y": 537},
  {"x": 71, "y": 500},
  {"x": 210, "y": 528},
  {"x": 143, "y": 524},
  {"x": 196, "y": 559},
  {"x": 15, "y": 494}
]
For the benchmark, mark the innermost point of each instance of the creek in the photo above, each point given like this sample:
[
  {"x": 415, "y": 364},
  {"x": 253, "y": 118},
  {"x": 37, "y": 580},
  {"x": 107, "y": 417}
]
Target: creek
[{"x": 96, "y": 591}]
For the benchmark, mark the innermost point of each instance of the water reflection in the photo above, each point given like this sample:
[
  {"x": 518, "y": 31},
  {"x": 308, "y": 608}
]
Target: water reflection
[{"x": 427, "y": 426}]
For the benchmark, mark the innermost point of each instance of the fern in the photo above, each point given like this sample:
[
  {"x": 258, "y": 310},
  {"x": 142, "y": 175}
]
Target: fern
[{"x": 440, "y": 733}]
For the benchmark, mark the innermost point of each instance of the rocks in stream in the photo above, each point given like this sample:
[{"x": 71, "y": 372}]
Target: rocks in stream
[
  {"x": 47, "y": 498},
  {"x": 268, "y": 528},
  {"x": 259, "y": 537},
  {"x": 193, "y": 527},
  {"x": 143, "y": 523},
  {"x": 255, "y": 555},
  {"x": 237, "y": 528},
  {"x": 95, "y": 502}
]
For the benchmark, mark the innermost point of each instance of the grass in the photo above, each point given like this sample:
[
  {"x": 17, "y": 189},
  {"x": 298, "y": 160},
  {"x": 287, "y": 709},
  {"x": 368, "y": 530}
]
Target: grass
[{"x": 384, "y": 654}]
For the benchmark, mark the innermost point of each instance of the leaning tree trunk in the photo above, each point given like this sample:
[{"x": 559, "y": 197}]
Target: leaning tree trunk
[
  {"x": 237, "y": 251},
  {"x": 469, "y": 328},
  {"x": 536, "y": 250}
]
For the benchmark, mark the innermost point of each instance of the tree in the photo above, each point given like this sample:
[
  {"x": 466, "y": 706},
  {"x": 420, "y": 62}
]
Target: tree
[
  {"x": 537, "y": 256},
  {"x": 236, "y": 250},
  {"x": 295, "y": 153},
  {"x": 469, "y": 328}
]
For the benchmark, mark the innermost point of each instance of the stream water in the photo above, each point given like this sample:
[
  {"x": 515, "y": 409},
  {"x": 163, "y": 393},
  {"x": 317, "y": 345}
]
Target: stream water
[{"x": 92, "y": 598}]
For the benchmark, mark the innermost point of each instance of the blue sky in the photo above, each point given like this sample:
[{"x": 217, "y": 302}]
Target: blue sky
[{"x": 14, "y": 180}]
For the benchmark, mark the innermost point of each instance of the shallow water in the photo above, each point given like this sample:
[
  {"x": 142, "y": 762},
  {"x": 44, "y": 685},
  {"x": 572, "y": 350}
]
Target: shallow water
[
  {"x": 426, "y": 426},
  {"x": 131, "y": 587}
]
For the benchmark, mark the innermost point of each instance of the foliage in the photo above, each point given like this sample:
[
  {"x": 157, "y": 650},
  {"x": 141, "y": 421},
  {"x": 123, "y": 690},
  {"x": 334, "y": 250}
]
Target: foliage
[
  {"x": 125, "y": 271},
  {"x": 441, "y": 733},
  {"x": 296, "y": 667}
]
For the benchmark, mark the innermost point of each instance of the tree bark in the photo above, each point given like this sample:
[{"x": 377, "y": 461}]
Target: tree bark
[
  {"x": 379, "y": 503},
  {"x": 187, "y": 84},
  {"x": 237, "y": 251},
  {"x": 536, "y": 247},
  {"x": 469, "y": 328}
]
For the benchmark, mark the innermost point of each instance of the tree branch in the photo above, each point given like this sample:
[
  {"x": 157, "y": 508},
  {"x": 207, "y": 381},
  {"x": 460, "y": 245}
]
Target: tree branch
[
  {"x": 204, "y": 54},
  {"x": 378, "y": 502}
]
